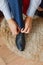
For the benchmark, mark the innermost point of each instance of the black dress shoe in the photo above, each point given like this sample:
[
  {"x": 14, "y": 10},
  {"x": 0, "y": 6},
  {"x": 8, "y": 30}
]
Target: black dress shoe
[
  {"x": 20, "y": 41},
  {"x": 39, "y": 13}
]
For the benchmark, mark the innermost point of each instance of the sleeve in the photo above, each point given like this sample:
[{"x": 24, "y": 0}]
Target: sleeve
[
  {"x": 34, "y": 4},
  {"x": 5, "y": 9}
]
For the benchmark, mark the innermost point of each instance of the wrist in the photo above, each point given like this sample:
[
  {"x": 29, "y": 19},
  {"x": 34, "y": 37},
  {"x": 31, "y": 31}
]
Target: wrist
[
  {"x": 9, "y": 20},
  {"x": 29, "y": 18}
]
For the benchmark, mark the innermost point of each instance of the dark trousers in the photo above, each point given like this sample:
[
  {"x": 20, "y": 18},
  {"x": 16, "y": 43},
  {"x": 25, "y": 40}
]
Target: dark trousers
[
  {"x": 16, "y": 9},
  {"x": 41, "y": 5}
]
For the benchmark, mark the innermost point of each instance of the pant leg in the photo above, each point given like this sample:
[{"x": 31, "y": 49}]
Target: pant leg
[{"x": 16, "y": 9}]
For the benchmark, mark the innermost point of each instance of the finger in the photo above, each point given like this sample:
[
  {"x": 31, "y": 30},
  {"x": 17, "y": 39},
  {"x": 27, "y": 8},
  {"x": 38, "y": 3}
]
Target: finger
[
  {"x": 25, "y": 29},
  {"x": 15, "y": 32},
  {"x": 18, "y": 29},
  {"x": 28, "y": 31},
  {"x": 22, "y": 29}
]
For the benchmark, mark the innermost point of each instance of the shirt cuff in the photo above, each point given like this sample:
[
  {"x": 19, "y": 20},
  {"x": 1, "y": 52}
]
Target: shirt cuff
[
  {"x": 6, "y": 11},
  {"x": 34, "y": 4}
]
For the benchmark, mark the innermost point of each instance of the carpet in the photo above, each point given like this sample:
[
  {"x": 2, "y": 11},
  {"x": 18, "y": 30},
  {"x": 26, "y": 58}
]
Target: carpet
[
  {"x": 34, "y": 40},
  {"x": 2, "y": 61}
]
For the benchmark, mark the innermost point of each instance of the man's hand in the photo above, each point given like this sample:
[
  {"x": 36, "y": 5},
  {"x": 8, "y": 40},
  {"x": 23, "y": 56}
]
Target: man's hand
[
  {"x": 13, "y": 27},
  {"x": 28, "y": 25}
]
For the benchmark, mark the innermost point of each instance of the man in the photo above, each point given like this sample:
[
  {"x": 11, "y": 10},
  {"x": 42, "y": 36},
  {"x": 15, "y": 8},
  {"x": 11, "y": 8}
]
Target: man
[{"x": 16, "y": 23}]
